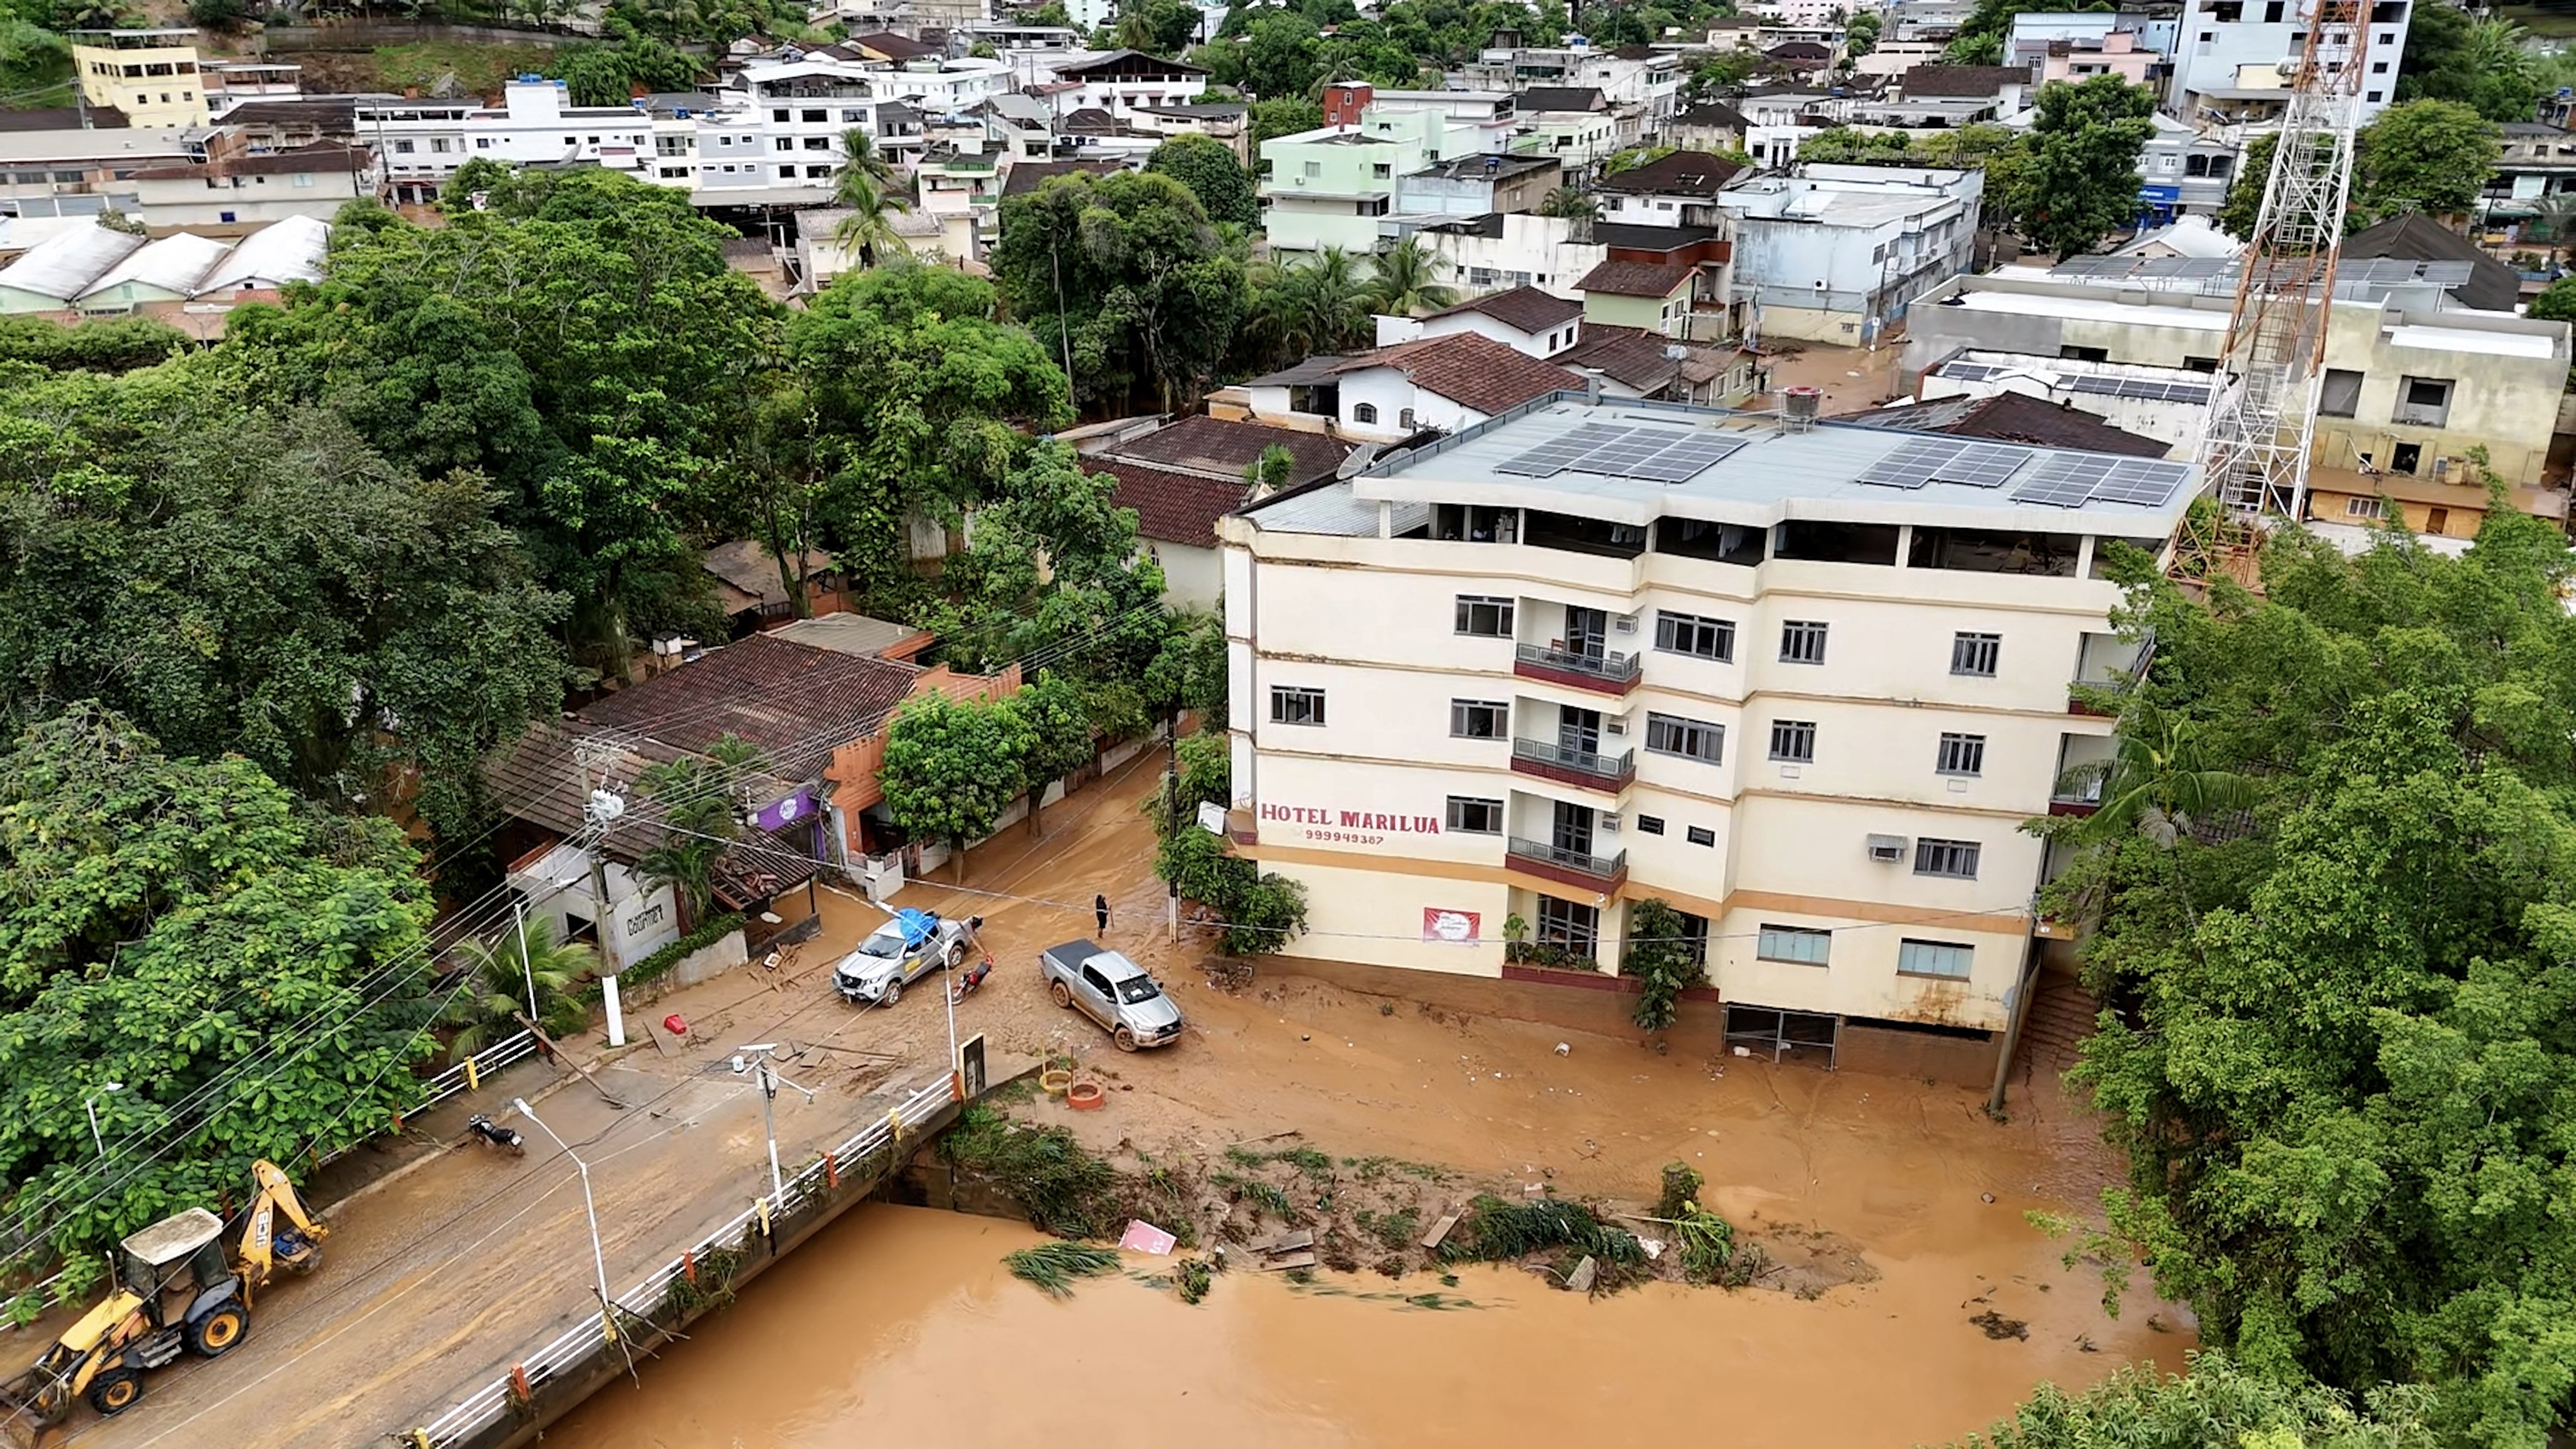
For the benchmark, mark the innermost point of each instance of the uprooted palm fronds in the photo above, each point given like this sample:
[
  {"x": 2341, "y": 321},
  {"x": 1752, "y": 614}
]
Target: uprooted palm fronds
[
  {"x": 1498, "y": 1231},
  {"x": 1706, "y": 1243},
  {"x": 1064, "y": 1188},
  {"x": 1054, "y": 1266}
]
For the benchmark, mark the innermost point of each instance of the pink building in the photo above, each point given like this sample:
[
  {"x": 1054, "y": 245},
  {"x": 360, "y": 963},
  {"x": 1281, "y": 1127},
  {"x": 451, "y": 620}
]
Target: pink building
[{"x": 2118, "y": 53}]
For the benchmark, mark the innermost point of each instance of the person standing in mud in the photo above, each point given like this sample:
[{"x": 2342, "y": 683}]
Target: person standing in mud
[{"x": 1100, "y": 911}]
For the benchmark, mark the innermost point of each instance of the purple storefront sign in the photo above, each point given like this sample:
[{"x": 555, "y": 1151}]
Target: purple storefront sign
[{"x": 779, "y": 814}]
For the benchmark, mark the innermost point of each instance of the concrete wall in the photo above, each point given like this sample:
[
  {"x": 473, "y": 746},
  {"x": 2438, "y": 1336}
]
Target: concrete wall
[
  {"x": 1533, "y": 251},
  {"x": 1956, "y": 1061}
]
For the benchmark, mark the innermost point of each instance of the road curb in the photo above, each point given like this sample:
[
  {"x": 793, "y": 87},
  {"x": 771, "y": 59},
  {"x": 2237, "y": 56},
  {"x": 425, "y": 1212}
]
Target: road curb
[{"x": 426, "y": 1158}]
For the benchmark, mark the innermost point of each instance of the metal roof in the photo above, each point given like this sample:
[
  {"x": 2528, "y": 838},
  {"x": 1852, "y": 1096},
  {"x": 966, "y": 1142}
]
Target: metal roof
[
  {"x": 62, "y": 266},
  {"x": 284, "y": 251},
  {"x": 174, "y": 264}
]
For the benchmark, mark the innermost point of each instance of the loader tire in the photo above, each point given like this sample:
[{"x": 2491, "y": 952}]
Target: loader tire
[
  {"x": 218, "y": 1331},
  {"x": 115, "y": 1391}
]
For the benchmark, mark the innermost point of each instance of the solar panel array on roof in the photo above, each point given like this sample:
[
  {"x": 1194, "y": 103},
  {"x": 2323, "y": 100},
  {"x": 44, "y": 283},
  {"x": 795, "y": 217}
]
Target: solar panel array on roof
[
  {"x": 2072, "y": 480},
  {"x": 1659, "y": 455},
  {"x": 1973, "y": 371},
  {"x": 2368, "y": 271},
  {"x": 2142, "y": 388},
  {"x": 1946, "y": 460}
]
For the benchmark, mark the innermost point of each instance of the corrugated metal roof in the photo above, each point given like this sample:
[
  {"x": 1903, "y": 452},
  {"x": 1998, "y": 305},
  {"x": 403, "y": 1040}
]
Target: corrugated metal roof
[
  {"x": 63, "y": 266},
  {"x": 174, "y": 264},
  {"x": 281, "y": 252}
]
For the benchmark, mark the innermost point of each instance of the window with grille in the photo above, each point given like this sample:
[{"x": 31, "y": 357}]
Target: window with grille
[
  {"x": 2365, "y": 508},
  {"x": 1702, "y": 835},
  {"x": 1483, "y": 617},
  {"x": 1793, "y": 740},
  {"x": 1801, "y": 944},
  {"x": 1568, "y": 924},
  {"x": 1650, "y": 825},
  {"x": 1956, "y": 859},
  {"x": 1695, "y": 739},
  {"x": 1802, "y": 642},
  {"x": 1934, "y": 958},
  {"x": 1469, "y": 816},
  {"x": 1694, "y": 635},
  {"x": 1961, "y": 755},
  {"x": 1480, "y": 719},
  {"x": 1294, "y": 706},
  {"x": 1976, "y": 654}
]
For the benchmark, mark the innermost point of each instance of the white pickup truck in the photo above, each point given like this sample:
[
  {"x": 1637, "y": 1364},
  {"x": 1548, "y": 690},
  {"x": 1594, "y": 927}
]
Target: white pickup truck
[{"x": 1113, "y": 991}]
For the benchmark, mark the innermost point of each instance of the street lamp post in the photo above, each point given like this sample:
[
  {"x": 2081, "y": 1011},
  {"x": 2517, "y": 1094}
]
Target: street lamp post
[
  {"x": 100, "y": 1138},
  {"x": 598, "y": 1259},
  {"x": 758, "y": 1057}
]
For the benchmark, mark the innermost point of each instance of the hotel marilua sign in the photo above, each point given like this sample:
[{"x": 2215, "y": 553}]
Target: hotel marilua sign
[{"x": 1349, "y": 827}]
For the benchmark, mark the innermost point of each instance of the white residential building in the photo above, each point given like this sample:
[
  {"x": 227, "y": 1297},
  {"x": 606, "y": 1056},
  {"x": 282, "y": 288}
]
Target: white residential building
[
  {"x": 2230, "y": 51},
  {"x": 1836, "y": 253},
  {"x": 1516, "y": 249},
  {"x": 1719, "y": 669},
  {"x": 1124, "y": 80},
  {"x": 422, "y": 142}
]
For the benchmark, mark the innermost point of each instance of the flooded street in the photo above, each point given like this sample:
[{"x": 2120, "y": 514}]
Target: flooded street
[{"x": 904, "y": 1327}]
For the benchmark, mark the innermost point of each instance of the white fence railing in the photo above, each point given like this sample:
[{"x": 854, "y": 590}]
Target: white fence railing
[{"x": 494, "y": 1400}]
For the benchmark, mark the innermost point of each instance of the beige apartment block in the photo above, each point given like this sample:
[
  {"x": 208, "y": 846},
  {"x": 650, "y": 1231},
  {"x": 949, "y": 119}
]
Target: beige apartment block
[
  {"x": 150, "y": 75},
  {"x": 1803, "y": 682}
]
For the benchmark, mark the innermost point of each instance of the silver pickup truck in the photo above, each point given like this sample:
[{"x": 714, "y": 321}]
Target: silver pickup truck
[{"x": 1113, "y": 991}]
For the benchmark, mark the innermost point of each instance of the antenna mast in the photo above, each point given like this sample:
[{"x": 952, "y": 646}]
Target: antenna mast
[{"x": 2255, "y": 449}]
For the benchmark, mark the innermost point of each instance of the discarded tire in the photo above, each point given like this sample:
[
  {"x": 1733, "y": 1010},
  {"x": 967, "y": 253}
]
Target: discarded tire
[{"x": 1085, "y": 1097}]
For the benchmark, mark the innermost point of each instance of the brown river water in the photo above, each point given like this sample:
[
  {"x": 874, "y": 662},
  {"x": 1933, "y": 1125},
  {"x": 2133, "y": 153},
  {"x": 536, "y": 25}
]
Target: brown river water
[{"x": 900, "y": 1325}]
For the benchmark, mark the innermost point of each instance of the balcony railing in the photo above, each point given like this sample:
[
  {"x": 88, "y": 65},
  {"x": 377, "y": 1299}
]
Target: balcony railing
[
  {"x": 1569, "y": 867},
  {"x": 1600, "y": 673},
  {"x": 2077, "y": 799},
  {"x": 1574, "y": 767}
]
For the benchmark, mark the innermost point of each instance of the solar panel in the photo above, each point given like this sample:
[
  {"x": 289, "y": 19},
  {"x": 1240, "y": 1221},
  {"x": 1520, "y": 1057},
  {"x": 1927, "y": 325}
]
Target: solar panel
[
  {"x": 2075, "y": 479},
  {"x": 1683, "y": 459},
  {"x": 2142, "y": 481},
  {"x": 1556, "y": 455},
  {"x": 1981, "y": 465},
  {"x": 1912, "y": 465},
  {"x": 1972, "y": 371}
]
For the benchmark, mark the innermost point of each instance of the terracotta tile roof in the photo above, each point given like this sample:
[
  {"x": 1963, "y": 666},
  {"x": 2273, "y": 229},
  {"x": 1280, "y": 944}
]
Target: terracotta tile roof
[
  {"x": 1683, "y": 173},
  {"x": 1027, "y": 176},
  {"x": 1470, "y": 369},
  {"x": 2012, "y": 417},
  {"x": 796, "y": 702},
  {"x": 1976, "y": 81},
  {"x": 1559, "y": 98},
  {"x": 1630, "y": 356},
  {"x": 752, "y": 570},
  {"x": 1171, "y": 507},
  {"x": 1527, "y": 308},
  {"x": 1130, "y": 62},
  {"x": 1634, "y": 279},
  {"x": 1214, "y": 446}
]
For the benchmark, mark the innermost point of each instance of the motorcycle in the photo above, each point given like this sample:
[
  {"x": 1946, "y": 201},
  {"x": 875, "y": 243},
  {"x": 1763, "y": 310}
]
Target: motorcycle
[
  {"x": 973, "y": 978},
  {"x": 500, "y": 1138}
]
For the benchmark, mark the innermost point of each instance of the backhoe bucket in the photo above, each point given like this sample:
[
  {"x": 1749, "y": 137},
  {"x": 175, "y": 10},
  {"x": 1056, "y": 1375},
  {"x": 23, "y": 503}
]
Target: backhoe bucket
[{"x": 32, "y": 1407}]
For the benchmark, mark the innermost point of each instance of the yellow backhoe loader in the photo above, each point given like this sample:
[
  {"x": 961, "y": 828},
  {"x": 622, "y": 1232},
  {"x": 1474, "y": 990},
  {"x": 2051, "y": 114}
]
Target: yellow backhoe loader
[{"x": 176, "y": 1290}]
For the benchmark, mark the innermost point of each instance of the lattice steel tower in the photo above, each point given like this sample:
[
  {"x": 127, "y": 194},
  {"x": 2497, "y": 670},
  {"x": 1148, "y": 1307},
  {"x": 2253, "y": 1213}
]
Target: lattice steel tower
[{"x": 2255, "y": 448}]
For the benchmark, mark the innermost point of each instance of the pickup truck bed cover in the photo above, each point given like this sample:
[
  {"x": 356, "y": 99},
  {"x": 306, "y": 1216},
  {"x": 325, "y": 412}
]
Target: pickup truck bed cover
[{"x": 1074, "y": 953}]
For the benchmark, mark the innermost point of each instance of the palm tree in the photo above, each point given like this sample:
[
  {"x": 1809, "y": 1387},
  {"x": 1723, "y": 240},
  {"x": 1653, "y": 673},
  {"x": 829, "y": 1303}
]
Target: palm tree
[
  {"x": 489, "y": 1007},
  {"x": 1329, "y": 301},
  {"x": 866, "y": 185},
  {"x": 1407, "y": 280},
  {"x": 2158, "y": 783},
  {"x": 2495, "y": 48},
  {"x": 695, "y": 807},
  {"x": 1569, "y": 204}
]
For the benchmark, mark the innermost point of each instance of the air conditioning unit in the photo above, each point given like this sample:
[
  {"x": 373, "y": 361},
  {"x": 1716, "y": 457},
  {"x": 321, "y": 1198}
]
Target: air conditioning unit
[
  {"x": 1614, "y": 727},
  {"x": 1624, "y": 624},
  {"x": 2441, "y": 469},
  {"x": 1887, "y": 849},
  {"x": 1607, "y": 823}
]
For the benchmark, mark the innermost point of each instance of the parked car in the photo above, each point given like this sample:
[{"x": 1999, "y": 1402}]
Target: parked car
[
  {"x": 906, "y": 948},
  {"x": 1113, "y": 991}
]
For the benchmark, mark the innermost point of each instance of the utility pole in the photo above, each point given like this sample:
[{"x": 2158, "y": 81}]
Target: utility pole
[
  {"x": 600, "y": 809},
  {"x": 760, "y": 1057},
  {"x": 1172, "y": 759}
]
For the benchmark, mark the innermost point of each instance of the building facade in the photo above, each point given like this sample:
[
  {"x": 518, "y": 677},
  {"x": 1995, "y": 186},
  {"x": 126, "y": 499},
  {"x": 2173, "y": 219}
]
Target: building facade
[
  {"x": 2230, "y": 51},
  {"x": 1809, "y": 712},
  {"x": 150, "y": 75}
]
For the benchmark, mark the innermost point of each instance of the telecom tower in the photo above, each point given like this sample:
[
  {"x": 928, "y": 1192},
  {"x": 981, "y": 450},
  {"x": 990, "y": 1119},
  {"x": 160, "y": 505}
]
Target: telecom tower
[{"x": 2255, "y": 448}]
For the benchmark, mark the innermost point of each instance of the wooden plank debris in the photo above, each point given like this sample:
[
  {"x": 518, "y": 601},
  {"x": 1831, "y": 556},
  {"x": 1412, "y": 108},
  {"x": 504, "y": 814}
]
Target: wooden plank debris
[{"x": 1439, "y": 1230}]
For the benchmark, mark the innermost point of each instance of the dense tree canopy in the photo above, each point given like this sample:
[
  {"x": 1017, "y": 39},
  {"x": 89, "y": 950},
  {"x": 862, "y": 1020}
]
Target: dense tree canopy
[
  {"x": 2428, "y": 156},
  {"x": 2477, "y": 63},
  {"x": 1126, "y": 273},
  {"x": 248, "y": 968},
  {"x": 2083, "y": 179},
  {"x": 2216, "y": 1404},
  {"x": 1208, "y": 168},
  {"x": 2342, "y": 1059}
]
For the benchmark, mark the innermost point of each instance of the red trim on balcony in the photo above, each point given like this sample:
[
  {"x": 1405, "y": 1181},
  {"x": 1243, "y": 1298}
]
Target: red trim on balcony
[
  {"x": 1579, "y": 779},
  {"x": 2077, "y": 706},
  {"x": 2073, "y": 807},
  {"x": 1575, "y": 678}
]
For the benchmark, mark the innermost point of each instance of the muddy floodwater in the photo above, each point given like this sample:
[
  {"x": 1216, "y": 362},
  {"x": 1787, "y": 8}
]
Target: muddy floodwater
[{"x": 900, "y": 1325}]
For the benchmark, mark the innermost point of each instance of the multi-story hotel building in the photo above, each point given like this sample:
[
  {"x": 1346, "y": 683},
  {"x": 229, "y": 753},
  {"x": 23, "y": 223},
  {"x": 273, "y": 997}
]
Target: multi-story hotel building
[{"x": 1802, "y": 681}]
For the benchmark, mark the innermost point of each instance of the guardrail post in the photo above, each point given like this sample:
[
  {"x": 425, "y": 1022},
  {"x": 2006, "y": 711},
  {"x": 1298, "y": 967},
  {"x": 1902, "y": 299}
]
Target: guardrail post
[
  {"x": 832, "y": 1171},
  {"x": 689, "y": 1265},
  {"x": 525, "y": 1396},
  {"x": 473, "y": 1078}
]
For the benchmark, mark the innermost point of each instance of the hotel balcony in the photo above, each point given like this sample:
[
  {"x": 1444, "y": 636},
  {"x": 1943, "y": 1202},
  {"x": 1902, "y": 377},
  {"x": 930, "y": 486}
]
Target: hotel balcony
[
  {"x": 1566, "y": 867},
  {"x": 1614, "y": 674},
  {"x": 1581, "y": 768}
]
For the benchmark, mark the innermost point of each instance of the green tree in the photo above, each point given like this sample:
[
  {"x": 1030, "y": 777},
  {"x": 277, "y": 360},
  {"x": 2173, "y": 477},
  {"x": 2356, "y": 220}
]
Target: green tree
[
  {"x": 2339, "y": 1066},
  {"x": 2428, "y": 156},
  {"x": 1318, "y": 303},
  {"x": 1208, "y": 168},
  {"x": 1057, "y": 732},
  {"x": 2482, "y": 64},
  {"x": 2216, "y": 1404},
  {"x": 1257, "y": 913},
  {"x": 1054, "y": 566},
  {"x": 1405, "y": 279},
  {"x": 2243, "y": 208},
  {"x": 693, "y": 811},
  {"x": 1570, "y": 204},
  {"x": 1129, "y": 275},
  {"x": 493, "y": 994},
  {"x": 913, "y": 395},
  {"x": 234, "y": 582},
  {"x": 1861, "y": 37},
  {"x": 1158, "y": 27},
  {"x": 166, "y": 923},
  {"x": 1283, "y": 116},
  {"x": 1280, "y": 56},
  {"x": 2556, "y": 303},
  {"x": 951, "y": 768},
  {"x": 1664, "y": 961},
  {"x": 2084, "y": 167},
  {"x": 866, "y": 186}
]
